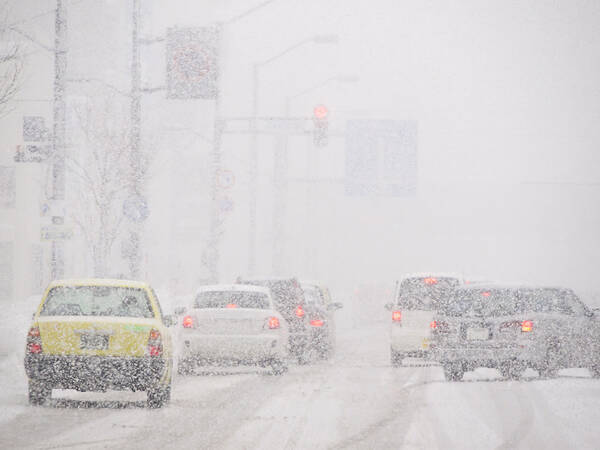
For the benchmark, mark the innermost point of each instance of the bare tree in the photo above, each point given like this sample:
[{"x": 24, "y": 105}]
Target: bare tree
[
  {"x": 100, "y": 167},
  {"x": 11, "y": 61}
]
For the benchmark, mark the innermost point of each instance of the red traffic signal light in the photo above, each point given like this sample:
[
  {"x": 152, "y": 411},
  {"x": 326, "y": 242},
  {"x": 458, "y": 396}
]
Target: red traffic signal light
[
  {"x": 320, "y": 112},
  {"x": 321, "y": 126}
]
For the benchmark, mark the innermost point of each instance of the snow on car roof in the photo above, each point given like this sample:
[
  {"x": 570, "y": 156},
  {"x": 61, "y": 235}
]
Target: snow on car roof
[
  {"x": 513, "y": 286},
  {"x": 234, "y": 287},
  {"x": 431, "y": 274},
  {"x": 99, "y": 282}
]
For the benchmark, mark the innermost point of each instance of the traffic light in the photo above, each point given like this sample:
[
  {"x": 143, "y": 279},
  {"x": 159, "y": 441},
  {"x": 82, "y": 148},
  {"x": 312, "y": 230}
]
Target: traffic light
[{"x": 321, "y": 126}]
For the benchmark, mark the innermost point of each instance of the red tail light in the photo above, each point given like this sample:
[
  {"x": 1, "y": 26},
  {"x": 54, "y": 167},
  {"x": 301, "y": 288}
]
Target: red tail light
[
  {"x": 431, "y": 281},
  {"x": 299, "y": 311},
  {"x": 34, "y": 341},
  {"x": 155, "y": 347},
  {"x": 527, "y": 325},
  {"x": 396, "y": 316},
  {"x": 433, "y": 325},
  {"x": 316, "y": 323},
  {"x": 273, "y": 323},
  {"x": 188, "y": 322},
  {"x": 231, "y": 306}
]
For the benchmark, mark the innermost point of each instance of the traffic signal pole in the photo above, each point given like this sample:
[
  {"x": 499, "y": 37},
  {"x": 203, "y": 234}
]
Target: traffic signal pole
[{"x": 59, "y": 132}]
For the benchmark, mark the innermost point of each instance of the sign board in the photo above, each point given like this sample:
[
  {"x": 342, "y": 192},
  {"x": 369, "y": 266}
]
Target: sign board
[
  {"x": 33, "y": 153},
  {"x": 34, "y": 129},
  {"x": 192, "y": 62},
  {"x": 56, "y": 233},
  {"x": 381, "y": 158}
]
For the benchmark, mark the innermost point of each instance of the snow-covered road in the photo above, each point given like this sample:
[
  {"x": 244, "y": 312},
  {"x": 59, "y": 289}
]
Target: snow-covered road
[{"x": 356, "y": 400}]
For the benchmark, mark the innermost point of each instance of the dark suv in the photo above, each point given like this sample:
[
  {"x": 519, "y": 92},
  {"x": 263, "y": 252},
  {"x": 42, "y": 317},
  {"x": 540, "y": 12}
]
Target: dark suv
[{"x": 512, "y": 328}]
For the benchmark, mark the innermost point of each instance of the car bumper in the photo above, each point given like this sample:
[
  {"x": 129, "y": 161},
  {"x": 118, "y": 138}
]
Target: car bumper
[
  {"x": 96, "y": 373},
  {"x": 486, "y": 356},
  {"x": 242, "y": 348},
  {"x": 404, "y": 342}
]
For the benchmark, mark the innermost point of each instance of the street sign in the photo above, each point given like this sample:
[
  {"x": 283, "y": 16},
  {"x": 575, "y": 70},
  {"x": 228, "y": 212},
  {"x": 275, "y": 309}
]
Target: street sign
[
  {"x": 56, "y": 233},
  {"x": 192, "y": 62},
  {"x": 135, "y": 208},
  {"x": 225, "y": 179},
  {"x": 226, "y": 204},
  {"x": 32, "y": 153}
]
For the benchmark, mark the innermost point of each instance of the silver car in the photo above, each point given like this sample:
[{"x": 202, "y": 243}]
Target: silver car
[{"x": 512, "y": 328}]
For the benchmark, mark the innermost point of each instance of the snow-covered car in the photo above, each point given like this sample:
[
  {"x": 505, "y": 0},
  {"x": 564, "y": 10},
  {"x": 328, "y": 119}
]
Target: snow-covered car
[
  {"x": 289, "y": 301},
  {"x": 512, "y": 328},
  {"x": 99, "y": 334},
  {"x": 321, "y": 318},
  {"x": 233, "y": 325},
  {"x": 415, "y": 300}
]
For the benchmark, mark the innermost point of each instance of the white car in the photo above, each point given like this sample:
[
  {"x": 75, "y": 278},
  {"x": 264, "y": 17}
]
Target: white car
[
  {"x": 234, "y": 325},
  {"x": 415, "y": 300}
]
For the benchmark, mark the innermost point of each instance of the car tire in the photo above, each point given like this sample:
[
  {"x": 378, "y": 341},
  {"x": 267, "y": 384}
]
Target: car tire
[
  {"x": 278, "y": 367},
  {"x": 396, "y": 358},
  {"x": 158, "y": 396},
  {"x": 551, "y": 364},
  {"x": 454, "y": 371},
  {"x": 39, "y": 392}
]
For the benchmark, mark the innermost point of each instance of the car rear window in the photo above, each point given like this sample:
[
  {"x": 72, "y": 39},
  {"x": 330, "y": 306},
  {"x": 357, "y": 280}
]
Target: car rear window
[
  {"x": 97, "y": 301},
  {"x": 287, "y": 294},
  {"x": 550, "y": 300},
  {"x": 312, "y": 295},
  {"x": 231, "y": 299},
  {"x": 424, "y": 293},
  {"x": 481, "y": 302}
]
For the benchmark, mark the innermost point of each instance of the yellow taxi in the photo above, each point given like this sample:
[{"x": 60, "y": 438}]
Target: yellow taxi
[{"x": 99, "y": 334}]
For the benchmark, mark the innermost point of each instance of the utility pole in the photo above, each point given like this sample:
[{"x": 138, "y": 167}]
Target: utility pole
[
  {"x": 59, "y": 134},
  {"x": 136, "y": 170},
  {"x": 216, "y": 216}
]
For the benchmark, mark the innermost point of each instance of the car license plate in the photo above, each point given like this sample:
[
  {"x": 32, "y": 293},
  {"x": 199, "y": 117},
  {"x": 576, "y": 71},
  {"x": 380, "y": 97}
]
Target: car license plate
[
  {"x": 478, "y": 334},
  {"x": 93, "y": 342}
]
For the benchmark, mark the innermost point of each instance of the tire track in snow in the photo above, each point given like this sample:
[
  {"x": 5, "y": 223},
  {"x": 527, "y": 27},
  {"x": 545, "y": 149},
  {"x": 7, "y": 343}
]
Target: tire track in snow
[{"x": 395, "y": 413}]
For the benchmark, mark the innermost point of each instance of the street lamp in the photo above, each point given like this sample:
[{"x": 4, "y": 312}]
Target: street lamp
[{"x": 253, "y": 169}]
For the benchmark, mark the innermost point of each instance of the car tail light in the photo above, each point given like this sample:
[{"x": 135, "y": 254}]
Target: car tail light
[
  {"x": 188, "y": 322},
  {"x": 273, "y": 323},
  {"x": 299, "y": 311},
  {"x": 430, "y": 281},
  {"x": 485, "y": 294},
  {"x": 396, "y": 316},
  {"x": 34, "y": 341},
  {"x": 433, "y": 325},
  {"x": 155, "y": 343},
  {"x": 231, "y": 306},
  {"x": 527, "y": 325},
  {"x": 316, "y": 323}
]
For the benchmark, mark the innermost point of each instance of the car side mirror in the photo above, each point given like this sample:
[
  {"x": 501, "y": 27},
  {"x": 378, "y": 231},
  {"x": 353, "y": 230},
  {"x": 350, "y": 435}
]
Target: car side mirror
[
  {"x": 389, "y": 306},
  {"x": 180, "y": 310},
  {"x": 170, "y": 320},
  {"x": 335, "y": 305}
]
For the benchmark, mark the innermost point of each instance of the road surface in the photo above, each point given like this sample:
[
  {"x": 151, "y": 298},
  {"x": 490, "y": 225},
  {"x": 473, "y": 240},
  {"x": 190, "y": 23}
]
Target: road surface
[{"x": 355, "y": 400}]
